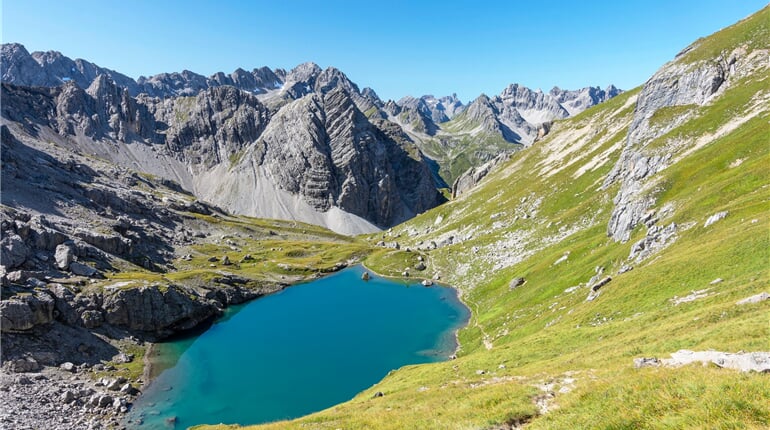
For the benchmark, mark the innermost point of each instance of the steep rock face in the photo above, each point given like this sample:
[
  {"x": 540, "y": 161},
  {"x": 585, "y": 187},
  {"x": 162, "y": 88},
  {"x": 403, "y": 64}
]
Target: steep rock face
[
  {"x": 416, "y": 113},
  {"x": 524, "y": 111},
  {"x": 23, "y": 312},
  {"x": 324, "y": 149},
  {"x": 474, "y": 175},
  {"x": 314, "y": 157},
  {"x": 115, "y": 112},
  {"x": 187, "y": 83},
  {"x": 152, "y": 309},
  {"x": 483, "y": 116},
  {"x": 211, "y": 127},
  {"x": 677, "y": 84},
  {"x": 101, "y": 111},
  {"x": 308, "y": 78}
]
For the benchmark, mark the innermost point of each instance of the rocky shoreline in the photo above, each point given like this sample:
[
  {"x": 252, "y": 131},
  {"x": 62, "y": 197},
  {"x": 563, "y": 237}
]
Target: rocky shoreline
[{"x": 64, "y": 374}]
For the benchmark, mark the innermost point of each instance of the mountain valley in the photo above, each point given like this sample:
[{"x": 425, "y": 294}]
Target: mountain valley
[{"x": 592, "y": 234}]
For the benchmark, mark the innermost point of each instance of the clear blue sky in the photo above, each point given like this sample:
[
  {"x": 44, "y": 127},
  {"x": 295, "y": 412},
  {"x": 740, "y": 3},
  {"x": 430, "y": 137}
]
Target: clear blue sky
[{"x": 397, "y": 47}]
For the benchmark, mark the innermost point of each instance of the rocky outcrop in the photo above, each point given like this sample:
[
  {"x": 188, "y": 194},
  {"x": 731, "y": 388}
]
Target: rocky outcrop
[
  {"x": 211, "y": 127},
  {"x": 309, "y": 78},
  {"x": 257, "y": 81},
  {"x": 103, "y": 110},
  {"x": 111, "y": 244},
  {"x": 655, "y": 240},
  {"x": 474, "y": 175},
  {"x": 758, "y": 361},
  {"x": 22, "y": 312},
  {"x": 155, "y": 309},
  {"x": 481, "y": 117},
  {"x": 536, "y": 105},
  {"x": 677, "y": 84}
]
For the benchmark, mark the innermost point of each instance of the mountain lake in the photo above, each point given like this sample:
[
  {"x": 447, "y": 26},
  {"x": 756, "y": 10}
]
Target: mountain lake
[{"x": 298, "y": 351}]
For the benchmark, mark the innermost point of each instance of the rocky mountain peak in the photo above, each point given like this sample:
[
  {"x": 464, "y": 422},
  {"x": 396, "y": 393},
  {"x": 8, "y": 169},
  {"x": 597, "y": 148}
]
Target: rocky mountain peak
[
  {"x": 305, "y": 72},
  {"x": 481, "y": 108},
  {"x": 51, "y": 69},
  {"x": 576, "y": 101},
  {"x": 333, "y": 77}
]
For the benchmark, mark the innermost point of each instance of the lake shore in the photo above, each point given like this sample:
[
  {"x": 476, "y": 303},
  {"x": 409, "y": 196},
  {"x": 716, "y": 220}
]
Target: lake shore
[
  {"x": 458, "y": 294},
  {"x": 379, "y": 309}
]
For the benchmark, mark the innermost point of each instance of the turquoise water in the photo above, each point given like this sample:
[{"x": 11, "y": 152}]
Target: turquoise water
[{"x": 299, "y": 351}]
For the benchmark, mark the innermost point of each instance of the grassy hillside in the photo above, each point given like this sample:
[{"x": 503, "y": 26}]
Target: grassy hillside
[{"x": 540, "y": 353}]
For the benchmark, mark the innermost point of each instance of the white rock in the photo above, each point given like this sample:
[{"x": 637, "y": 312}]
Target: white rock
[
  {"x": 754, "y": 299},
  {"x": 714, "y": 218}
]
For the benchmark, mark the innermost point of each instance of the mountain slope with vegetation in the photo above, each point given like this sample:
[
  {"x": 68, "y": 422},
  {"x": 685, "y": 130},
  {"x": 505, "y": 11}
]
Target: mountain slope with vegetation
[{"x": 634, "y": 230}]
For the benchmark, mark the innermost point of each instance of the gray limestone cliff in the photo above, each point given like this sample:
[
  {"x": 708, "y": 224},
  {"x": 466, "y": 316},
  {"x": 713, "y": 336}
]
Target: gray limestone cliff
[
  {"x": 673, "y": 92},
  {"x": 310, "y": 154}
]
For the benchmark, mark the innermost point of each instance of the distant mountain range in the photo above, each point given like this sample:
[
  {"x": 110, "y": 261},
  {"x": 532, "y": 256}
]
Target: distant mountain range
[{"x": 306, "y": 144}]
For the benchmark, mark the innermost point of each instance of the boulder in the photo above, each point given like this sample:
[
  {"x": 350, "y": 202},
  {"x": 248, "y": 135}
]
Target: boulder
[
  {"x": 68, "y": 397},
  {"x": 714, "y": 218},
  {"x": 754, "y": 299},
  {"x": 105, "y": 400},
  {"x": 24, "y": 365},
  {"x": 23, "y": 312},
  {"x": 129, "y": 389},
  {"x": 516, "y": 283},
  {"x": 646, "y": 362},
  {"x": 119, "y": 404},
  {"x": 67, "y": 366},
  {"x": 13, "y": 251},
  {"x": 91, "y": 319},
  {"x": 603, "y": 282},
  {"x": 116, "y": 245},
  {"x": 64, "y": 255},
  {"x": 81, "y": 269},
  {"x": 420, "y": 266},
  {"x": 426, "y": 282},
  {"x": 64, "y": 299},
  {"x": 365, "y": 276},
  {"x": 123, "y": 358},
  {"x": 115, "y": 384}
]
